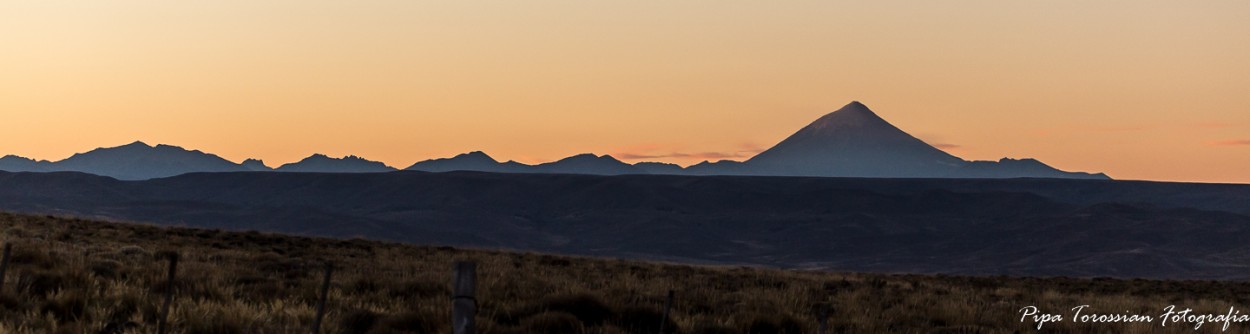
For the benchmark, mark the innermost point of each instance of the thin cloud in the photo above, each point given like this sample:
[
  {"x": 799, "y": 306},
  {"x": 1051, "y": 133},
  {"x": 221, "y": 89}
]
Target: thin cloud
[
  {"x": 1120, "y": 128},
  {"x": 649, "y": 147},
  {"x": 658, "y": 151},
  {"x": 1214, "y": 125},
  {"x": 938, "y": 141},
  {"x": 636, "y": 156},
  {"x": 749, "y": 148},
  {"x": 1231, "y": 142},
  {"x": 697, "y": 155},
  {"x": 719, "y": 155}
]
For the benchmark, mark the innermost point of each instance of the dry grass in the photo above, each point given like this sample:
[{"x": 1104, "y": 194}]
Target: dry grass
[{"x": 78, "y": 276}]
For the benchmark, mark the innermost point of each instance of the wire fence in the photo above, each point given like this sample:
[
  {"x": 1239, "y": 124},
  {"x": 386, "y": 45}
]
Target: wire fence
[{"x": 464, "y": 303}]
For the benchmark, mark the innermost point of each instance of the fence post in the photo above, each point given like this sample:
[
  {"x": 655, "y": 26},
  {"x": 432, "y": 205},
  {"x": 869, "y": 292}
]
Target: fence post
[
  {"x": 161, "y": 322},
  {"x": 464, "y": 305},
  {"x": 4, "y": 264},
  {"x": 325, "y": 295},
  {"x": 824, "y": 319},
  {"x": 668, "y": 306}
]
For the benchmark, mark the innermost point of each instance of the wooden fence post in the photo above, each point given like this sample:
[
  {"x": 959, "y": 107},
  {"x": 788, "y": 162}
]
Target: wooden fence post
[
  {"x": 325, "y": 295},
  {"x": 668, "y": 306},
  {"x": 4, "y": 264},
  {"x": 161, "y": 322},
  {"x": 824, "y": 319},
  {"x": 464, "y": 304}
]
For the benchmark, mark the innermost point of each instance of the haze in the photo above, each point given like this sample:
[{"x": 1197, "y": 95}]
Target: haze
[{"x": 1154, "y": 90}]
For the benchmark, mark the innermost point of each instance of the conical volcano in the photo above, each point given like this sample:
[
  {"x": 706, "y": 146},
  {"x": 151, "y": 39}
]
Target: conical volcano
[{"x": 854, "y": 142}]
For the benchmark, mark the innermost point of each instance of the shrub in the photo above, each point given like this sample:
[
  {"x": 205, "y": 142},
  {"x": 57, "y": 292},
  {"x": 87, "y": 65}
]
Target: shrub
[
  {"x": 132, "y": 251},
  {"x": 774, "y": 324},
  {"x": 107, "y": 269},
  {"x": 585, "y": 307},
  {"x": 358, "y": 321},
  {"x": 410, "y": 322},
  {"x": 636, "y": 319},
  {"x": 552, "y": 322},
  {"x": 65, "y": 306}
]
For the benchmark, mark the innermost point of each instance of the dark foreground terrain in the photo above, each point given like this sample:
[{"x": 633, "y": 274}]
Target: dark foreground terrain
[
  {"x": 80, "y": 276},
  {"x": 1033, "y": 227}
]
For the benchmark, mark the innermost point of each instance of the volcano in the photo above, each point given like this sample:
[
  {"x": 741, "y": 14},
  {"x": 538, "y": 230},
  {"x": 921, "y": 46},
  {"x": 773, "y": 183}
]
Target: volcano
[{"x": 854, "y": 142}]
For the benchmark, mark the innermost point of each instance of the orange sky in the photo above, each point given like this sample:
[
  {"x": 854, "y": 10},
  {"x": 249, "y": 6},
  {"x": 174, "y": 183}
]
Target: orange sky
[{"x": 1137, "y": 89}]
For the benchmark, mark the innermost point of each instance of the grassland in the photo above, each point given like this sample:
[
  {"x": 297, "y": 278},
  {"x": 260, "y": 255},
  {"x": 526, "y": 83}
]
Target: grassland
[{"x": 78, "y": 276}]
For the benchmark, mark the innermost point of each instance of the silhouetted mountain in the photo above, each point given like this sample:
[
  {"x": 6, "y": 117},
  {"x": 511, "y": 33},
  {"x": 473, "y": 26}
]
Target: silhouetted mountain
[
  {"x": 256, "y": 165},
  {"x": 320, "y": 163},
  {"x": 660, "y": 168},
  {"x": 968, "y": 226},
  {"x": 855, "y": 142},
  {"x": 577, "y": 164},
  {"x": 723, "y": 167},
  {"x": 515, "y": 167},
  {"x": 15, "y": 163},
  {"x": 587, "y": 164},
  {"x": 850, "y": 142},
  {"x": 139, "y": 161},
  {"x": 1008, "y": 168},
  {"x": 472, "y": 161}
]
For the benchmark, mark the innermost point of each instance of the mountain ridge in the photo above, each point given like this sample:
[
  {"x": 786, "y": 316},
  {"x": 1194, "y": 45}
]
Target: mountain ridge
[
  {"x": 852, "y": 141},
  {"x": 321, "y": 163}
]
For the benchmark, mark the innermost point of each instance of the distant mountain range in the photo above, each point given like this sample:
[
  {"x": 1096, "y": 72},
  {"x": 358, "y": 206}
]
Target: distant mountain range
[
  {"x": 320, "y": 163},
  {"x": 134, "y": 161},
  {"x": 140, "y": 161},
  {"x": 850, "y": 142}
]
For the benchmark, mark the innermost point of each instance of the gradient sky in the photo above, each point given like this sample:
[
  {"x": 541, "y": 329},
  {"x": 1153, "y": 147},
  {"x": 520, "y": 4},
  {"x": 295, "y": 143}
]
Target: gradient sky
[{"x": 1154, "y": 90}]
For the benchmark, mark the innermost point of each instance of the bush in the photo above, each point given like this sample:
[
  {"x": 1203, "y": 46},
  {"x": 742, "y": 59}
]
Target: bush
[
  {"x": 643, "y": 320},
  {"x": 774, "y": 324},
  {"x": 107, "y": 269},
  {"x": 65, "y": 306},
  {"x": 552, "y": 322},
  {"x": 132, "y": 251},
  {"x": 358, "y": 321},
  {"x": 411, "y": 322},
  {"x": 711, "y": 328},
  {"x": 418, "y": 290},
  {"x": 586, "y": 308}
]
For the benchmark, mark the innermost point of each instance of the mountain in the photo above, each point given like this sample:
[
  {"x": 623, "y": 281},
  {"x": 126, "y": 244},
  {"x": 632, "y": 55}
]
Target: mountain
[
  {"x": 578, "y": 164},
  {"x": 587, "y": 164},
  {"x": 850, "y": 142},
  {"x": 660, "y": 168},
  {"x": 854, "y": 142},
  {"x": 472, "y": 161},
  {"x": 255, "y": 165},
  {"x": 140, "y": 161},
  {"x": 15, "y": 163},
  {"x": 969, "y": 226},
  {"x": 723, "y": 167},
  {"x": 320, "y": 163},
  {"x": 1008, "y": 168}
]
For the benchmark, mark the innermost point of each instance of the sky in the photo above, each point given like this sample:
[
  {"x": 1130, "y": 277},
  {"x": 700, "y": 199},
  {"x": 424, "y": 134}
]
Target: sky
[{"x": 1154, "y": 90}]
